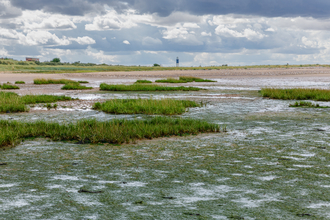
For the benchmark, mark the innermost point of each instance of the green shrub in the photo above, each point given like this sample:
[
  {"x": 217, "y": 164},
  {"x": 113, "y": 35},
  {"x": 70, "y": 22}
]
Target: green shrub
[
  {"x": 19, "y": 82},
  {"x": 145, "y": 106}
]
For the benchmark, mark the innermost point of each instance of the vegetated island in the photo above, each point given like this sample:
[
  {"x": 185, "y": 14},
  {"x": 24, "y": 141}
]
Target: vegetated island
[
  {"x": 184, "y": 79},
  {"x": 145, "y": 87},
  {"x": 145, "y": 106},
  {"x": 11, "y": 102},
  {"x": 69, "y": 84},
  {"x": 93, "y": 131},
  {"x": 296, "y": 94}
]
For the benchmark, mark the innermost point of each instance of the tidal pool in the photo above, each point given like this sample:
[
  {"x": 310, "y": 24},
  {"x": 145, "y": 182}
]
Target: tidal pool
[{"x": 272, "y": 163}]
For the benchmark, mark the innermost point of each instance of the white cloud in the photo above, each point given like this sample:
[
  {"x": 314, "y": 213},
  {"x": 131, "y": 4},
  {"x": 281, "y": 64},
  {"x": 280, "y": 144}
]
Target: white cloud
[
  {"x": 83, "y": 40},
  {"x": 206, "y": 34},
  {"x": 114, "y": 21},
  {"x": 33, "y": 38},
  {"x": 191, "y": 25},
  {"x": 126, "y": 42},
  {"x": 3, "y": 52},
  {"x": 246, "y": 33},
  {"x": 270, "y": 29},
  {"x": 100, "y": 56}
]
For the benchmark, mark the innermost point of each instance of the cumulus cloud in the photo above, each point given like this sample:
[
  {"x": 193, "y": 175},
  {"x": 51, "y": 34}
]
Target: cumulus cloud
[
  {"x": 246, "y": 33},
  {"x": 83, "y": 40},
  {"x": 8, "y": 11},
  {"x": 100, "y": 56},
  {"x": 126, "y": 42}
]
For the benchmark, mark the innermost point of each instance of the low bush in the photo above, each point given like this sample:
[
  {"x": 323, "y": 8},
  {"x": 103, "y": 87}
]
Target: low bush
[
  {"x": 92, "y": 131},
  {"x": 19, "y": 82},
  {"x": 142, "y": 87},
  {"x": 145, "y": 106}
]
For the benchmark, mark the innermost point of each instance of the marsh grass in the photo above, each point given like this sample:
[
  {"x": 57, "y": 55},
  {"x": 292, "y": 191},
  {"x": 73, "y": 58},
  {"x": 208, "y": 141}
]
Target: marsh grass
[
  {"x": 11, "y": 102},
  {"x": 83, "y": 82},
  {"x": 52, "y": 81},
  {"x": 9, "y": 86},
  {"x": 296, "y": 94},
  {"x": 92, "y": 131},
  {"x": 142, "y": 87},
  {"x": 19, "y": 82},
  {"x": 303, "y": 104},
  {"x": 75, "y": 86},
  {"x": 145, "y": 106},
  {"x": 143, "y": 81},
  {"x": 183, "y": 79}
]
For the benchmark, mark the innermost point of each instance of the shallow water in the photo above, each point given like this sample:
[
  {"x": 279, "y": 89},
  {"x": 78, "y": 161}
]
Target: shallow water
[{"x": 273, "y": 163}]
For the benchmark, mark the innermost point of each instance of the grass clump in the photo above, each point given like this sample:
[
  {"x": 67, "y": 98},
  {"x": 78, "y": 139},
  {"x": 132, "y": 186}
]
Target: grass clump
[
  {"x": 9, "y": 86},
  {"x": 194, "y": 79},
  {"x": 92, "y": 131},
  {"x": 34, "y": 99},
  {"x": 141, "y": 87},
  {"x": 183, "y": 79},
  {"x": 143, "y": 81},
  {"x": 52, "y": 81},
  {"x": 145, "y": 106},
  {"x": 75, "y": 86},
  {"x": 19, "y": 82},
  {"x": 297, "y": 94},
  {"x": 170, "y": 80},
  {"x": 11, "y": 102},
  {"x": 83, "y": 82},
  {"x": 303, "y": 104}
]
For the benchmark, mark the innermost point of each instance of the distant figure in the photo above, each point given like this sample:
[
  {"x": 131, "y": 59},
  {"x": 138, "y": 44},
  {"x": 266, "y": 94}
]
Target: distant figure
[{"x": 177, "y": 62}]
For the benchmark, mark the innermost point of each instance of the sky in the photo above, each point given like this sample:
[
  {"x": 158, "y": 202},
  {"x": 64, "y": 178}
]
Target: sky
[{"x": 144, "y": 32}]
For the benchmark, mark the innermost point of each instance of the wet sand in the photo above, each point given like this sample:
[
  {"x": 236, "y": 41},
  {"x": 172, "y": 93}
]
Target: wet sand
[{"x": 247, "y": 77}]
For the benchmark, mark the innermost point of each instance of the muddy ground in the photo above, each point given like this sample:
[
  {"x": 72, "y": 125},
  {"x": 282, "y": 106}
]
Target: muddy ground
[{"x": 272, "y": 163}]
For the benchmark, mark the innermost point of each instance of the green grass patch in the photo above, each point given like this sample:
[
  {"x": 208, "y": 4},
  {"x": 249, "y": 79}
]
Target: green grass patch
[
  {"x": 183, "y": 79},
  {"x": 75, "y": 86},
  {"x": 11, "y": 102},
  {"x": 19, "y": 82},
  {"x": 145, "y": 106},
  {"x": 170, "y": 80},
  {"x": 303, "y": 104},
  {"x": 92, "y": 131},
  {"x": 52, "y": 81},
  {"x": 143, "y": 81},
  {"x": 83, "y": 82},
  {"x": 297, "y": 94},
  {"x": 141, "y": 87},
  {"x": 9, "y": 86}
]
